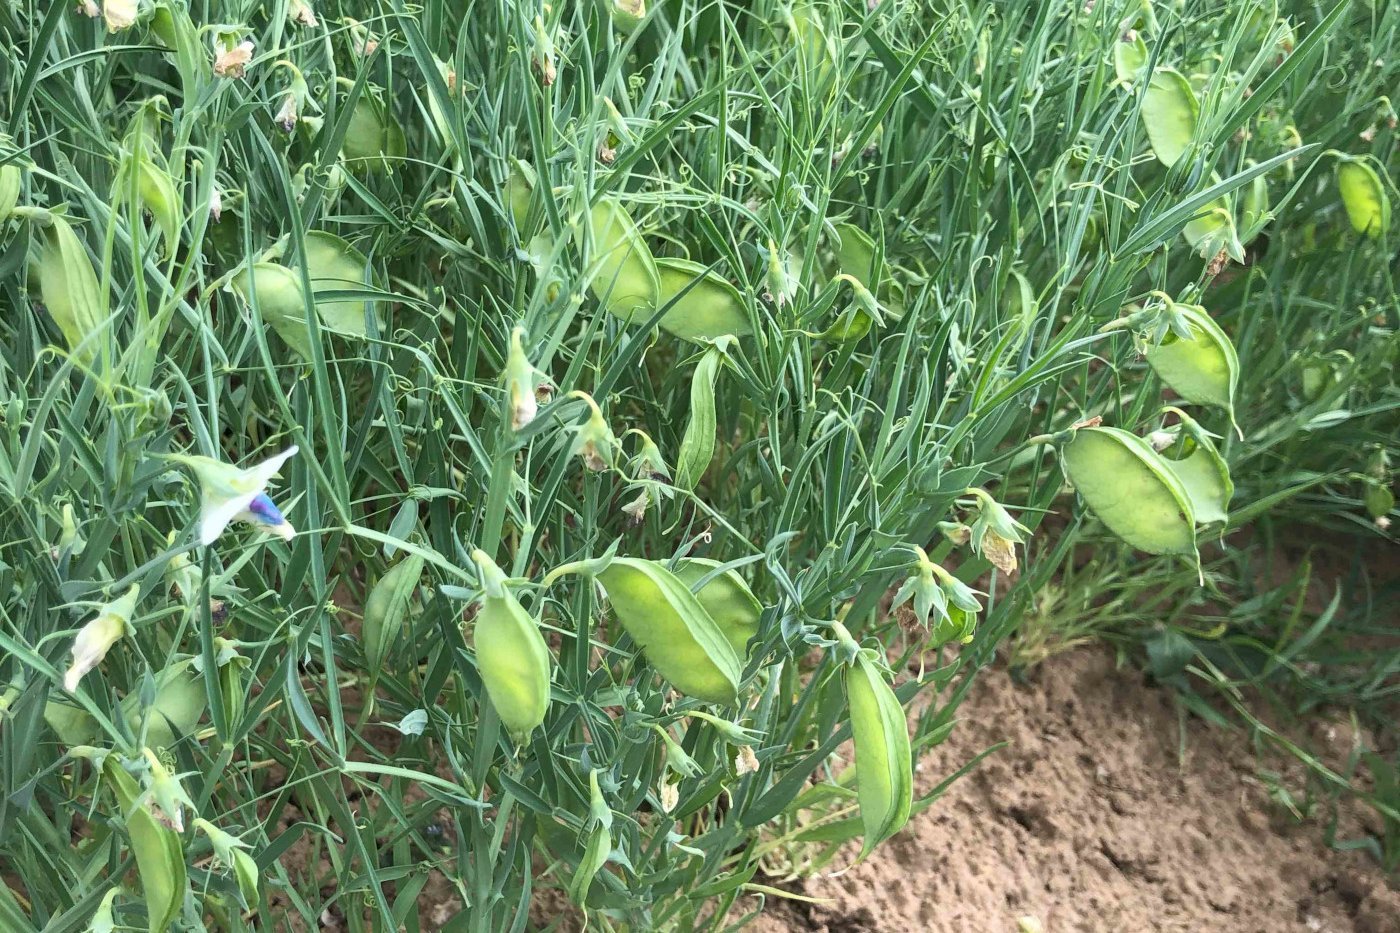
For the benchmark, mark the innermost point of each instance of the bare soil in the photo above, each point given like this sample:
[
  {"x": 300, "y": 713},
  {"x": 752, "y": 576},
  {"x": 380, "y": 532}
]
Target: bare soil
[{"x": 1107, "y": 811}]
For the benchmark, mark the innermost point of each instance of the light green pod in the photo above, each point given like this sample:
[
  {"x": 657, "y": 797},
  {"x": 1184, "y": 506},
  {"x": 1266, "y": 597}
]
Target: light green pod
[
  {"x": 374, "y": 138},
  {"x": 1254, "y": 208},
  {"x": 1363, "y": 196},
  {"x": 160, "y": 857},
  {"x": 816, "y": 51},
  {"x": 884, "y": 762},
  {"x": 280, "y": 302},
  {"x": 712, "y": 308},
  {"x": 625, "y": 278},
  {"x": 1129, "y": 58},
  {"x": 1131, "y": 489},
  {"x": 679, "y": 638},
  {"x": 69, "y": 287},
  {"x": 727, "y": 598},
  {"x": 72, "y": 725},
  {"x": 1204, "y": 475},
  {"x": 698, "y": 443},
  {"x": 179, "y": 703},
  {"x": 386, "y": 609},
  {"x": 519, "y": 192},
  {"x": 335, "y": 265},
  {"x": 855, "y": 256},
  {"x": 511, "y": 655},
  {"x": 1169, "y": 114},
  {"x": 1205, "y": 370},
  {"x": 156, "y": 190},
  {"x": 10, "y": 178}
]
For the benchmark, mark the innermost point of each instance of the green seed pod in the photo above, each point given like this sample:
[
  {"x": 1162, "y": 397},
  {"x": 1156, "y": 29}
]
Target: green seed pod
[
  {"x": 103, "y": 921},
  {"x": 599, "y": 843},
  {"x": 1204, "y": 370},
  {"x": 72, "y": 725},
  {"x": 280, "y": 302},
  {"x": 679, "y": 638},
  {"x": 519, "y": 193},
  {"x": 855, "y": 257},
  {"x": 1169, "y": 114},
  {"x": 711, "y": 309},
  {"x": 335, "y": 265},
  {"x": 1203, "y": 473},
  {"x": 698, "y": 444},
  {"x": 1129, "y": 58},
  {"x": 817, "y": 52},
  {"x": 884, "y": 762},
  {"x": 374, "y": 138},
  {"x": 627, "y": 15},
  {"x": 69, "y": 288},
  {"x": 625, "y": 277},
  {"x": 511, "y": 655},
  {"x": 10, "y": 179},
  {"x": 727, "y": 599},
  {"x": 229, "y": 849},
  {"x": 1254, "y": 208},
  {"x": 1131, "y": 489},
  {"x": 179, "y": 703},
  {"x": 1378, "y": 499},
  {"x": 386, "y": 610},
  {"x": 1363, "y": 196},
  {"x": 160, "y": 858}
]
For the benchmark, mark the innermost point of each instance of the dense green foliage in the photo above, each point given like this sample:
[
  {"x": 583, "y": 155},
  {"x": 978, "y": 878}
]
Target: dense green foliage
[{"x": 643, "y": 352}]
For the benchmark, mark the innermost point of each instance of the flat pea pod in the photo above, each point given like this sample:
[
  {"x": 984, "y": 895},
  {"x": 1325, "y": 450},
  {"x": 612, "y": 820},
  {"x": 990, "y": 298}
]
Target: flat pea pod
[
  {"x": 1129, "y": 58},
  {"x": 1364, "y": 196},
  {"x": 1254, "y": 208},
  {"x": 1131, "y": 490},
  {"x": 726, "y": 597},
  {"x": 73, "y": 725},
  {"x": 1169, "y": 114},
  {"x": 673, "y": 629},
  {"x": 712, "y": 308},
  {"x": 179, "y": 702},
  {"x": 519, "y": 192},
  {"x": 335, "y": 265},
  {"x": 69, "y": 288},
  {"x": 10, "y": 178},
  {"x": 884, "y": 762},
  {"x": 155, "y": 192},
  {"x": 1203, "y": 474},
  {"x": 280, "y": 302},
  {"x": 698, "y": 443},
  {"x": 374, "y": 138},
  {"x": 1204, "y": 370},
  {"x": 625, "y": 277},
  {"x": 511, "y": 655},
  {"x": 160, "y": 858},
  {"x": 386, "y": 608}
]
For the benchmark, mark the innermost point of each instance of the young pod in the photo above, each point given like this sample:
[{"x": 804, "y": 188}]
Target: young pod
[
  {"x": 179, "y": 703},
  {"x": 69, "y": 288},
  {"x": 1169, "y": 114},
  {"x": 624, "y": 277},
  {"x": 703, "y": 305},
  {"x": 335, "y": 265},
  {"x": 1129, "y": 57},
  {"x": 1364, "y": 196},
  {"x": 10, "y": 178},
  {"x": 1203, "y": 473},
  {"x": 386, "y": 610},
  {"x": 1204, "y": 370},
  {"x": 374, "y": 138},
  {"x": 511, "y": 655},
  {"x": 679, "y": 637},
  {"x": 160, "y": 857},
  {"x": 1131, "y": 489},
  {"x": 726, "y": 597},
  {"x": 698, "y": 443},
  {"x": 277, "y": 291},
  {"x": 884, "y": 761}
]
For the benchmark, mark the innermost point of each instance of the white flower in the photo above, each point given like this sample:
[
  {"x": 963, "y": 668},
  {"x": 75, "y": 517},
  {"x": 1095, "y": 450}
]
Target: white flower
[
  {"x": 98, "y": 636},
  {"x": 228, "y": 493},
  {"x": 119, "y": 14}
]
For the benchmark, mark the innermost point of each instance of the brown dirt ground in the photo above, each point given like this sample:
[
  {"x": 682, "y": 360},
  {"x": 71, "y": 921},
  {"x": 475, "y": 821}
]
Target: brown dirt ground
[{"x": 1090, "y": 820}]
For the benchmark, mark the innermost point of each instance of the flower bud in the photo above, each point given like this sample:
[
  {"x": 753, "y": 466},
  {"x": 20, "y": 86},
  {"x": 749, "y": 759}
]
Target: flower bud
[{"x": 97, "y": 637}]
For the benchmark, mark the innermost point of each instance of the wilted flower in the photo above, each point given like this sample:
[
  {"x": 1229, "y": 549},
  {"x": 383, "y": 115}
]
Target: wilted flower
[
  {"x": 523, "y": 383},
  {"x": 89, "y": 9},
  {"x": 229, "y": 850},
  {"x": 594, "y": 440},
  {"x": 97, "y": 637},
  {"x": 995, "y": 534},
  {"x": 233, "y": 62},
  {"x": 636, "y": 510},
  {"x": 782, "y": 283},
  {"x": 942, "y": 602},
  {"x": 670, "y": 795},
  {"x": 300, "y": 12},
  {"x": 216, "y": 203},
  {"x": 168, "y": 797},
  {"x": 229, "y": 493},
  {"x": 119, "y": 14},
  {"x": 745, "y": 761},
  {"x": 544, "y": 54},
  {"x": 287, "y": 114}
]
